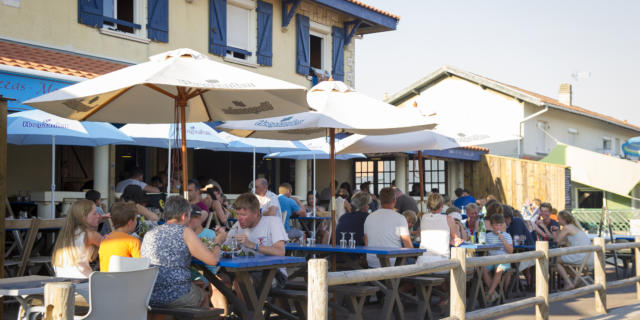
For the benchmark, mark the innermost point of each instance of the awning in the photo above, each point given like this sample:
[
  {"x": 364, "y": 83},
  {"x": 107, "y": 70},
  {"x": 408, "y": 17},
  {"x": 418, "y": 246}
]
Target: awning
[{"x": 597, "y": 170}]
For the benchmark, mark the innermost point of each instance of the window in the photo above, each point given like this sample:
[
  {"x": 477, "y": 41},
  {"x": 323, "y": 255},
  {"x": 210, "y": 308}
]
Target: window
[
  {"x": 541, "y": 144},
  {"x": 617, "y": 147},
  {"x": 590, "y": 199},
  {"x": 121, "y": 15},
  {"x": 435, "y": 174},
  {"x": 573, "y": 134},
  {"x": 606, "y": 145},
  {"x": 319, "y": 46},
  {"x": 241, "y": 30},
  {"x": 379, "y": 172},
  {"x": 315, "y": 51}
]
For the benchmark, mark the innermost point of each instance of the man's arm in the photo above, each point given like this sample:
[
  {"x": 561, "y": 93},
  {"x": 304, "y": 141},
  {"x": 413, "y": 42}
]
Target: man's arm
[
  {"x": 151, "y": 189},
  {"x": 366, "y": 241},
  {"x": 270, "y": 212},
  {"x": 406, "y": 241}
]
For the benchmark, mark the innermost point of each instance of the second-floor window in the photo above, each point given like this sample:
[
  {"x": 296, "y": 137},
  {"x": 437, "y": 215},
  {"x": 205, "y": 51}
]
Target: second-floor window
[
  {"x": 241, "y": 29},
  {"x": 120, "y": 15},
  {"x": 606, "y": 145}
]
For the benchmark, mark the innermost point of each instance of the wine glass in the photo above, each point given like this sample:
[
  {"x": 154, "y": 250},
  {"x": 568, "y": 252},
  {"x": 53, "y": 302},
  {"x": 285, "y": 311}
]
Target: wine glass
[
  {"x": 343, "y": 241},
  {"x": 352, "y": 241}
]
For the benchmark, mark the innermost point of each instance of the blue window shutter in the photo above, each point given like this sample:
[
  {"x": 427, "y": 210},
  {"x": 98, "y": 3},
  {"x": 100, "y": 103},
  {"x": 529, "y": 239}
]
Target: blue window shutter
[
  {"x": 218, "y": 27},
  {"x": 90, "y": 12},
  {"x": 265, "y": 33},
  {"x": 337, "y": 65},
  {"x": 158, "y": 16},
  {"x": 303, "y": 56}
]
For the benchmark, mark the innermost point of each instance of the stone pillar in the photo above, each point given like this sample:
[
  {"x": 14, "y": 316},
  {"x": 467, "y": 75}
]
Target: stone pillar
[
  {"x": 401, "y": 172},
  {"x": 101, "y": 171},
  {"x": 301, "y": 185}
]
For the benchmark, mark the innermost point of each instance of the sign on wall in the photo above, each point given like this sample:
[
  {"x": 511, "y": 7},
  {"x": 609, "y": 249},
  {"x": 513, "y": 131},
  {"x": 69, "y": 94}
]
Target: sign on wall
[{"x": 23, "y": 87}]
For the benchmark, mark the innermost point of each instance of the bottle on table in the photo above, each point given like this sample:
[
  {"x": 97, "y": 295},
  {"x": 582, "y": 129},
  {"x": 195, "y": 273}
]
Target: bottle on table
[{"x": 482, "y": 232}]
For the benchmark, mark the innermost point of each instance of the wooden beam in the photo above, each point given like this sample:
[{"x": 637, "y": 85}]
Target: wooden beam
[
  {"x": 288, "y": 11},
  {"x": 3, "y": 183}
]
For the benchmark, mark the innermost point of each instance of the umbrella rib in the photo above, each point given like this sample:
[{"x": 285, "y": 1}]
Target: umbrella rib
[
  {"x": 196, "y": 93},
  {"x": 156, "y": 88},
  {"x": 206, "y": 107},
  {"x": 98, "y": 108}
]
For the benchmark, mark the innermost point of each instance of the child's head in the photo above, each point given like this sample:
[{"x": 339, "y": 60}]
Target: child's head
[
  {"x": 195, "y": 222},
  {"x": 497, "y": 222},
  {"x": 93, "y": 195},
  {"x": 123, "y": 214},
  {"x": 411, "y": 217}
]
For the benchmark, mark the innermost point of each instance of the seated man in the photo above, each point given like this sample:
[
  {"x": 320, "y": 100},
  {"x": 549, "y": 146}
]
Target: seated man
[
  {"x": 135, "y": 178},
  {"x": 268, "y": 200},
  {"x": 120, "y": 242},
  {"x": 464, "y": 198},
  {"x": 290, "y": 207},
  {"x": 545, "y": 226},
  {"x": 386, "y": 228},
  {"x": 354, "y": 221},
  {"x": 260, "y": 235}
]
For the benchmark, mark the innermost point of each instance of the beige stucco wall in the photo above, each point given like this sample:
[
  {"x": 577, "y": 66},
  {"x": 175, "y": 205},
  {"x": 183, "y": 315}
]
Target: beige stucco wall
[
  {"x": 344, "y": 173},
  {"x": 55, "y": 24}
]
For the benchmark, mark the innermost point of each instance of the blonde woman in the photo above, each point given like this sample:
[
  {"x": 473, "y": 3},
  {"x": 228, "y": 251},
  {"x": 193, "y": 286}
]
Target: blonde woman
[
  {"x": 573, "y": 235},
  {"x": 78, "y": 242}
]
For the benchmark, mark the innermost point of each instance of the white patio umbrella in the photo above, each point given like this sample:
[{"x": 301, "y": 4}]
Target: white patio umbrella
[
  {"x": 177, "y": 86},
  {"x": 35, "y": 127},
  {"x": 340, "y": 107},
  {"x": 165, "y": 135}
]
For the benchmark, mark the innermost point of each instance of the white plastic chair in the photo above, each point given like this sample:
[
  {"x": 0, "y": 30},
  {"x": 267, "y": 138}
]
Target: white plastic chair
[
  {"x": 120, "y": 295},
  {"x": 122, "y": 264}
]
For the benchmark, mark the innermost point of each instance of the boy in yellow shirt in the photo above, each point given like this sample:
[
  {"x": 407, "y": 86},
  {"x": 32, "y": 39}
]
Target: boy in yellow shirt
[{"x": 120, "y": 242}]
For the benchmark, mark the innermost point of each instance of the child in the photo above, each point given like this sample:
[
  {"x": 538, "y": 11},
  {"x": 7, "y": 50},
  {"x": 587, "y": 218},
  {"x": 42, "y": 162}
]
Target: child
[
  {"x": 198, "y": 217},
  {"x": 497, "y": 236},
  {"x": 412, "y": 219},
  {"x": 120, "y": 242},
  {"x": 77, "y": 242}
]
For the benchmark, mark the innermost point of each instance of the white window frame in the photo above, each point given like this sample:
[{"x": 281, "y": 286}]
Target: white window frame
[
  {"x": 252, "y": 36},
  {"x": 139, "y": 17},
  {"x": 604, "y": 142},
  {"x": 324, "y": 32},
  {"x": 573, "y": 136}
]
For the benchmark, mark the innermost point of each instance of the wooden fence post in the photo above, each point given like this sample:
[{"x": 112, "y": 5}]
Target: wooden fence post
[
  {"x": 318, "y": 290},
  {"x": 542, "y": 280},
  {"x": 636, "y": 251},
  {"x": 59, "y": 300},
  {"x": 599, "y": 275},
  {"x": 458, "y": 285}
]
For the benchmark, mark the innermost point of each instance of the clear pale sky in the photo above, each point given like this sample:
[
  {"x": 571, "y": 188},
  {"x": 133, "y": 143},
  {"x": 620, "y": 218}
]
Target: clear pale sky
[{"x": 535, "y": 45}]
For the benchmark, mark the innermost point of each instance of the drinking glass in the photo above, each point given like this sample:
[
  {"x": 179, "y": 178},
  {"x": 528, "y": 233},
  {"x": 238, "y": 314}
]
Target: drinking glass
[
  {"x": 523, "y": 239},
  {"x": 352, "y": 241},
  {"x": 343, "y": 242},
  {"x": 516, "y": 240},
  {"x": 235, "y": 247}
]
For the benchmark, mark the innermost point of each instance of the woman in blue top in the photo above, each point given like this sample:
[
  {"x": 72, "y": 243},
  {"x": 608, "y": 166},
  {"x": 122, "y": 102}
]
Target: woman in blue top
[{"x": 170, "y": 247}]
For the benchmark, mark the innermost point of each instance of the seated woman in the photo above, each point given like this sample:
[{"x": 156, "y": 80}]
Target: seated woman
[
  {"x": 133, "y": 193},
  {"x": 170, "y": 247},
  {"x": 215, "y": 204},
  {"x": 573, "y": 235},
  {"x": 78, "y": 242}
]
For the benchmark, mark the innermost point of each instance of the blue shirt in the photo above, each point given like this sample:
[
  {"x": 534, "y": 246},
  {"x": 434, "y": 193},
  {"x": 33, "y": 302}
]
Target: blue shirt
[
  {"x": 288, "y": 206},
  {"x": 464, "y": 201},
  {"x": 195, "y": 274},
  {"x": 493, "y": 238},
  {"x": 518, "y": 228}
]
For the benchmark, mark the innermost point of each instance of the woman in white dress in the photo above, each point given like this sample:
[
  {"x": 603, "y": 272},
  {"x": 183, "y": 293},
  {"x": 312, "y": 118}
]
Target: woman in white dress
[{"x": 573, "y": 235}]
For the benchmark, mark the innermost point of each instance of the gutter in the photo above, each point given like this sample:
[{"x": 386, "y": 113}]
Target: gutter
[
  {"x": 546, "y": 108},
  {"x": 41, "y": 74}
]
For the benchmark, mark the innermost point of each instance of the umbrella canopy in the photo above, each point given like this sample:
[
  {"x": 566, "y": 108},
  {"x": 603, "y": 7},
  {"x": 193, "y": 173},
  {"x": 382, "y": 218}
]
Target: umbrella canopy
[
  {"x": 402, "y": 142},
  {"x": 239, "y": 144},
  {"x": 199, "y": 135},
  {"x": 37, "y": 127},
  {"x": 177, "y": 86},
  {"x": 632, "y": 147},
  {"x": 336, "y": 107},
  {"x": 318, "y": 149}
]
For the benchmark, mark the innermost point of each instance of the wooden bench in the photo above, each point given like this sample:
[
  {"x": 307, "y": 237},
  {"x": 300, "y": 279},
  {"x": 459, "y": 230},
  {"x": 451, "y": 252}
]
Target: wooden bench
[
  {"x": 354, "y": 296},
  {"x": 424, "y": 286},
  {"x": 185, "y": 313}
]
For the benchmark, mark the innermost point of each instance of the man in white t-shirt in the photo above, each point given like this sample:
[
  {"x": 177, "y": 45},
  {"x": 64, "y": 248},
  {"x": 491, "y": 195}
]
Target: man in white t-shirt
[
  {"x": 269, "y": 203},
  {"x": 386, "y": 228},
  {"x": 260, "y": 235},
  {"x": 136, "y": 179}
]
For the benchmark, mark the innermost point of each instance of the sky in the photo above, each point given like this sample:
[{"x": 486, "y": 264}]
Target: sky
[{"x": 534, "y": 45}]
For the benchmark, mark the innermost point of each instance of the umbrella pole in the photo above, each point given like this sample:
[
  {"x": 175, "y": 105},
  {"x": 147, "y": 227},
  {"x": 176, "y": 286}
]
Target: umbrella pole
[
  {"x": 314, "y": 197},
  {"x": 53, "y": 176},
  {"x": 253, "y": 185},
  {"x": 332, "y": 163},
  {"x": 421, "y": 169},
  {"x": 182, "y": 104},
  {"x": 169, "y": 166}
]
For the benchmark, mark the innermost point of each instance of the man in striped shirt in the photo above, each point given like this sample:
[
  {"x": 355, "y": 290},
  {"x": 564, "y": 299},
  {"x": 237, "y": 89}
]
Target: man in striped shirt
[{"x": 497, "y": 236}]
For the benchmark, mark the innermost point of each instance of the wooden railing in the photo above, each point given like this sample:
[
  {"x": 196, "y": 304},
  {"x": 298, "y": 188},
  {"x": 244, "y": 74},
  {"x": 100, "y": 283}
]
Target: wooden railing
[{"x": 320, "y": 279}]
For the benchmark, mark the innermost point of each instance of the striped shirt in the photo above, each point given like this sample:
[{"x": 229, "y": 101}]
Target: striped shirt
[{"x": 493, "y": 238}]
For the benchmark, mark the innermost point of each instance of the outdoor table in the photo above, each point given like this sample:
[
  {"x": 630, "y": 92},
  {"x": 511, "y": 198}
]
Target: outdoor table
[
  {"x": 477, "y": 285},
  {"x": 385, "y": 254},
  {"x": 24, "y": 233},
  {"x": 23, "y": 288},
  {"x": 254, "y": 294},
  {"x": 312, "y": 218}
]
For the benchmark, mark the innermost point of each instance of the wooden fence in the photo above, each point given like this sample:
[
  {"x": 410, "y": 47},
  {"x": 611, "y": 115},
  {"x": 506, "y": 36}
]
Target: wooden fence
[
  {"x": 320, "y": 279},
  {"x": 514, "y": 181}
]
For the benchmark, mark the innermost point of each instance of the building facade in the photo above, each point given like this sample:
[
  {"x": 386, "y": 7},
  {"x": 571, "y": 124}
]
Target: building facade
[{"x": 47, "y": 45}]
